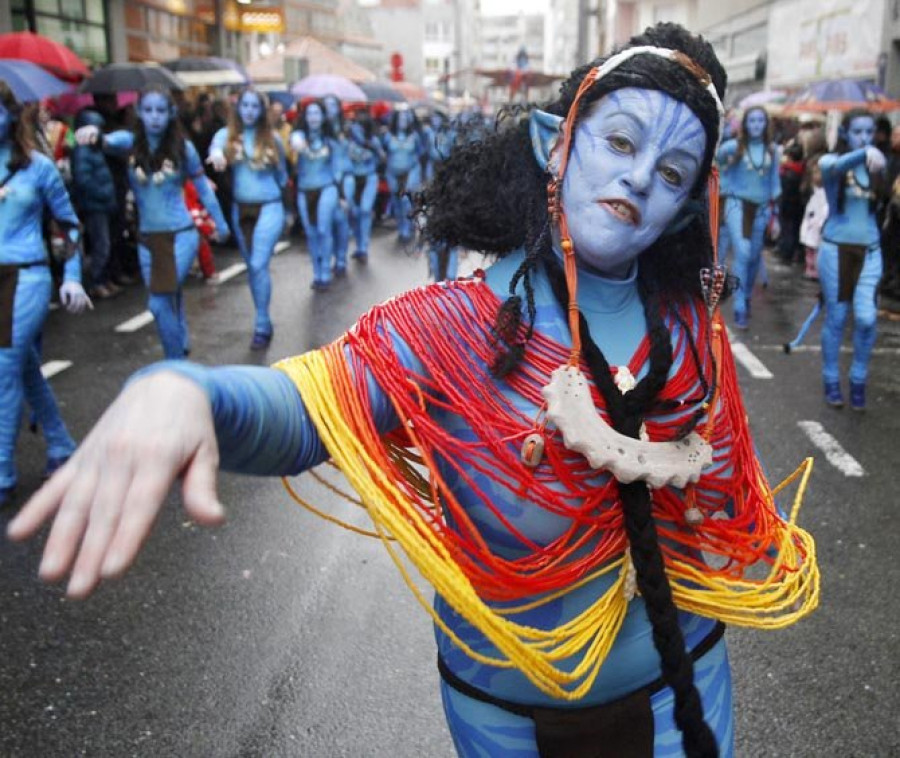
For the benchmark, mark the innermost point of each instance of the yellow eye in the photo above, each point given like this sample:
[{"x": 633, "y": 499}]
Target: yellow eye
[
  {"x": 621, "y": 144},
  {"x": 670, "y": 175}
]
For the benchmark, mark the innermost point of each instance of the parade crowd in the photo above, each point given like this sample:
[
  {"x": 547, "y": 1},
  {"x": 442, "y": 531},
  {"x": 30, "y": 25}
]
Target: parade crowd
[{"x": 558, "y": 444}]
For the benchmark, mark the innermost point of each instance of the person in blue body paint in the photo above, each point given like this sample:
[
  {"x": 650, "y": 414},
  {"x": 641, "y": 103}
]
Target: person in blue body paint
[
  {"x": 341, "y": 223},
  {"x": 160, "y": 160},
  {"x": 752, "y": 187},
  {"x": 259, "y": 174},
  {"x": 403, "y": 170},
  {"x": 364, "y": 153},
  {"x": 634, "y": 195},
  {"x": 30, "y": 184},
  {"x": 318, "y": 171},
  {"x": 849, "y": 259},
  {"x": 443, "y": 259}
]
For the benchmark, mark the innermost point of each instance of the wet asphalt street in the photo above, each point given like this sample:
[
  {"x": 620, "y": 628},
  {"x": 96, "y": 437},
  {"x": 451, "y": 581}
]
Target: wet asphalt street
[{"x": 282, "y": 635}]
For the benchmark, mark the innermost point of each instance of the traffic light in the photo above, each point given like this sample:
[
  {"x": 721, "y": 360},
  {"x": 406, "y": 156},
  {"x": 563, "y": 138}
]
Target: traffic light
[{"x": 396, "y": 67}]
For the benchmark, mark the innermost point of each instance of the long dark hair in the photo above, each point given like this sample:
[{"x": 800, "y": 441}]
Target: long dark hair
[
  {"x": 302, "y": 125},
  {"x": 171, "y": 146},
  {"x": 491, "y": 195},
  {"x": 264, "y": 141},
  {"x": 743, "y": 138},
  {"x": 876, "y": 181},
  {"x": 21, "y": 134}
]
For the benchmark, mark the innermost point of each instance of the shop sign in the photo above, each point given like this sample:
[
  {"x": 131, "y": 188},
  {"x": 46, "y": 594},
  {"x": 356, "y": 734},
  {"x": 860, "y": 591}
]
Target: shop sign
[
  {"x": 266, "y": 20},
  {"x": 824, "y": 39}
]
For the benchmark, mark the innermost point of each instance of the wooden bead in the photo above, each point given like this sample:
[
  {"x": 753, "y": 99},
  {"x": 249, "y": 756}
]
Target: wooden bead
[
  {"x": 693, "y": 516},
  {"x": 532, "y": 450}
]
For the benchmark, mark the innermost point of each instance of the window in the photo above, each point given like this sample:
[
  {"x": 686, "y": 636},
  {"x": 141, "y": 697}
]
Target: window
[
  {"x": 78, "y": 24},
  {"x": 750, "y": 41}
]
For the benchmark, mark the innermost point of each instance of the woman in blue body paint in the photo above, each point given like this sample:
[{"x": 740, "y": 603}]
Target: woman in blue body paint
[
  {"x": 160, "y": 159},
  {"x": 318, "y": 171},
  {"x": 30, "y": 184},
  {"x": 259, "y": 174},
  {"x": 443, "y": 259},
  {"x": 364, "y": 153},
  {"x": 341, "y": 223},
  {"x": 751, "y": 188},
  {"x": 403, "y": 170},
  {"x": 643, "y": 142},
  {"x": 849, "y": 259}
]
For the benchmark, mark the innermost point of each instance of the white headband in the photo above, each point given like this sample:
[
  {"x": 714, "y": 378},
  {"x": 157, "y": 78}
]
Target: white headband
[{"x": 675, "y": 56}]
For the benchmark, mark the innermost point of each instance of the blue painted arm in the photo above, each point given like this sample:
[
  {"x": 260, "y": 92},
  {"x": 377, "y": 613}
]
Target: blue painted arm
[
  {"x": 337, "y": 170},
  {"x": 726, "y": 151},
  {"x": 57, "y": 200},
  {"x": 194, "y": 170},
  {"x": 834, "y": 165},
  {"x": 119, "y": 142},
  {"x": 775, "y": 179},
  {"x": 281, "y": 171},
  {"x": 219, "y": 140}
]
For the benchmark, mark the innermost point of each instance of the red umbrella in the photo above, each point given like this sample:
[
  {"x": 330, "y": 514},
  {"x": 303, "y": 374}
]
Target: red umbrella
[{"x": 46, "y": 53}]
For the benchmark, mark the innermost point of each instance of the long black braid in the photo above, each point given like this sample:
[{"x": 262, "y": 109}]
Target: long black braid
[
  {"x": 490, "y": 195},
  {"x": 626, "y": 412}
]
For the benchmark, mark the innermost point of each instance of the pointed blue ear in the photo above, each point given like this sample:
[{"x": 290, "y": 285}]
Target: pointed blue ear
[{"x": 544, "y": 129}]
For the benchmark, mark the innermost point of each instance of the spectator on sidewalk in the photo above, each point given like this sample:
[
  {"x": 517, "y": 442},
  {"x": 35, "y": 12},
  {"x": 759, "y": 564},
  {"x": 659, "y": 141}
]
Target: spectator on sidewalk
[{"x": 95, "y": 198}]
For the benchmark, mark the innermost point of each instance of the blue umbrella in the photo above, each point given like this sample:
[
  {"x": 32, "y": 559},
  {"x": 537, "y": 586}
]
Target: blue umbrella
[
  {"x": 29, "y": 82},
  {"x": 841, "y": 95}
]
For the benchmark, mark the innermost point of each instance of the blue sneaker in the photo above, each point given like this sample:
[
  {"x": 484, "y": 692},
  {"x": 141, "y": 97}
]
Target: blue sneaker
[
  {"x": 260, "y": 341},
  {"x": 833, "y": 395},
  {"x": 857, "y": 396}
]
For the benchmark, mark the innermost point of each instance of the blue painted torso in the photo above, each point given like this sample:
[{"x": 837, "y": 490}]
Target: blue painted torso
[
  {"x": 363, "y": 159},
  {"x": 856, "y": 224},
  {"x": 754, "y": 177},
  {"x": 254, "y": 182},
  {"x": 403, "y": 152},
  {"x": 26, "y": 194},
  {"x": 317, "y": 164}
]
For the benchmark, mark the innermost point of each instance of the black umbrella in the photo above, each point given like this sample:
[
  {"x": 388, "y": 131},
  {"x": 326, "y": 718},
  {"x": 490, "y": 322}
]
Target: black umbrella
[
  {"x": 210, "y": 71},
  {"x": 130, "y": 77},
  {"x": 381, "y": 91}
]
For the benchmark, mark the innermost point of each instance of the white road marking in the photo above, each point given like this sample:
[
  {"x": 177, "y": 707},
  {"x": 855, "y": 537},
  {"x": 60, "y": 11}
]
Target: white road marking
[
  {"x": 138, "y": 322},
  {"x": 52, "y": 368},
  {"x": 847, "y": 349},
  {"x": 281, "y": 246},
  {"x": 834, "y": 453},
  {"x": 232, "y": 271},
  {"x": 750, "y": 362}
]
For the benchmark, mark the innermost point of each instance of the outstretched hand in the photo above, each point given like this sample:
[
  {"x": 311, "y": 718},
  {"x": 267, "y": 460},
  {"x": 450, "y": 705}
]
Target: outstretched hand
[
  {"x": 875, "y": 160},
  {"x": 103, "y": 502}
]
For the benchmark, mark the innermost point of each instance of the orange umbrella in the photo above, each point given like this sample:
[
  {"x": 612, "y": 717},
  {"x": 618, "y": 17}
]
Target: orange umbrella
[{"x": 46, "y": 53}]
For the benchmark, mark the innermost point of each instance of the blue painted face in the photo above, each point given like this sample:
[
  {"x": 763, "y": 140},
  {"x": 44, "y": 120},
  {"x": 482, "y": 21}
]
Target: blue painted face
[
  {"x": 860, "y": 132},
  {"x": 404, "y": 119},
  {"x": 756, "y": 122},
  {"x": 332, "y": 108},
  {"x": 314, "y": 117},
  {"x": 154, "y": 112},
  {"x": 635, "y": 158},
  {"x": 5, "y": 123},
  {"x": 249, "y": 109}
]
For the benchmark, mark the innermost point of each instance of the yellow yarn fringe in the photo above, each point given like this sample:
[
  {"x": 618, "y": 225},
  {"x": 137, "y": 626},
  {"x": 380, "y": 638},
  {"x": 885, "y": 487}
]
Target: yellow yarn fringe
[{"x": 789, "y": 591}]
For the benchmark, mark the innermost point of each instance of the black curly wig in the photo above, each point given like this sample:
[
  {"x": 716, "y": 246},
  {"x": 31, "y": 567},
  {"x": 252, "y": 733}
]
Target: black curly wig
[{"x": 492, "y": 196}]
